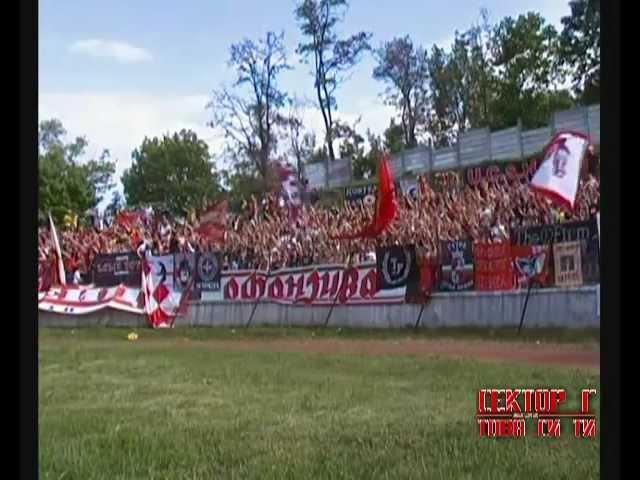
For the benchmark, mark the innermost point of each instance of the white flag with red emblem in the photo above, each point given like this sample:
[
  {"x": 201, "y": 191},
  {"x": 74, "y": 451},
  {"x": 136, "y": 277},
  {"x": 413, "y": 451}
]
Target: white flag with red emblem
[
  {"x": 161, "y": 302},
  {"x": 558, "y": 176}
]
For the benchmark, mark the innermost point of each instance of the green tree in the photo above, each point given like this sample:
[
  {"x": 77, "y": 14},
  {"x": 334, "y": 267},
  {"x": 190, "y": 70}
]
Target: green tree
[
  {"x": 249, "y": 114},
  {"x": 404, "y": 68},
  {"x": 364, "y": 167},
  {"x": 332, "y": 57},
  {"x": 175, "y": 172},
  {"x": 394, "y": 139},
  {"x": 65, "y": 183},
  {"x": 525, "y": 52},
  {"x": 446, "y": 109},
  {"x": 580, "y": 48}
]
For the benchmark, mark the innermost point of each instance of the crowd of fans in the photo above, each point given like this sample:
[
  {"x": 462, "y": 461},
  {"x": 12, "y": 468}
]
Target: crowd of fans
[{"x": 269, "y": 238}]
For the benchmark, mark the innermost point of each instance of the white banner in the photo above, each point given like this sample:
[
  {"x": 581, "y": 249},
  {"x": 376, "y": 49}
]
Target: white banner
[
  {"x": 558, "y": 176},
  {"x": 80, "y": 301},
  {"x": 316, "y": 285}
]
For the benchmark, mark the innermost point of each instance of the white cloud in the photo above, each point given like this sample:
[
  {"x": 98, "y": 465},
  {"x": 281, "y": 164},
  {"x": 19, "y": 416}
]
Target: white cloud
[
  {"x": 120, "y": 121},
  {"x": 120, "y": 51}
]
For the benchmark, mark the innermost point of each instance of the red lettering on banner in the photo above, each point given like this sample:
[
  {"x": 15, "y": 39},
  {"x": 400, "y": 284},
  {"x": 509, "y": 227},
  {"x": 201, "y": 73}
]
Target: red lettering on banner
[
  {"x": 349, "y": 285},
  {"x": 276, "y": 289},
  {"x": 231, "y": 289},
  {"x": 313, "y": 280},
  {"x": 297, "y": 284},
  {"x": 83, "y": 293},
  {"x": 63, "y": 293},
  {"x": 253, "y": 287},
  {"x": 103, "y": 293},
  {"x": 369, "y": 285},
  {"x": 493, "y": 266},
  {"x": 330, "y": 283}
]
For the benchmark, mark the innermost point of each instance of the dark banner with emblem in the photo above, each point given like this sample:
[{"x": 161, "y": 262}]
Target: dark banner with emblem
[
  {"x": 207, "y": 271},
  {"x": 586, "y": 233},
  {"x": 398, "y": 267},
  {"x": 362, "y": 193},
  {"x": 395, "y": 266},
  {"x": 184, "y": 271},
  {"x": 457, "y": 266},
  {"x": 114, "y": 269}
]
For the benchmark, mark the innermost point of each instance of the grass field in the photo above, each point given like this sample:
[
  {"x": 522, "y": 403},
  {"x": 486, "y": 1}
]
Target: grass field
[{"x": 171, "y": 406}]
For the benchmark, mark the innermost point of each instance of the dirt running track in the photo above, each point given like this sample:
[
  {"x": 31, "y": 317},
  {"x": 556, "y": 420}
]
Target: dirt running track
[{"x": 559, "y": 354}]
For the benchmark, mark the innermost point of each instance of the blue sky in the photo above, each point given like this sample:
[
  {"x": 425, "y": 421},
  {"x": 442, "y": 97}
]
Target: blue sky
[{"x": 117, "y": 71}]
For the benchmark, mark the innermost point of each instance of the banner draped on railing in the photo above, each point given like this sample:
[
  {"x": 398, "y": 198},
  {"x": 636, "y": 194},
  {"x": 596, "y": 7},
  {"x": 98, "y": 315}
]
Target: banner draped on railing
[
  {"x": 493, "y": 266},
  {"x": 317, "y": 285},
  {"x": 585, "y": 233},
  {"x": 564, "y": 255},
  {"x": 457, "y": 266}
]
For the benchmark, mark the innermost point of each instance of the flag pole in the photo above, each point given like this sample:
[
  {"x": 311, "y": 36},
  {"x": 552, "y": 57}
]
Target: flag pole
[
  {"x": 335, "y": 299},
  {"x": 255, "y": 304},
  {"x": 524, "y": 309},
  {"x": 415, "y": 327}
]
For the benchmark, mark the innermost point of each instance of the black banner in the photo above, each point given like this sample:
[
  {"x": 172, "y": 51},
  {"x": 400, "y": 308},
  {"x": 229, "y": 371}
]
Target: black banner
[
  {"x": 397, "y": 267},
  {"x": 184, "y": 270},
  {"x": 584, "y": 232},
  {"x": 113, "y": 269},
  {"x": 207, "y": 271},
  {"x": 363, "y": 193},
  {"x": 457, "y": 266}
]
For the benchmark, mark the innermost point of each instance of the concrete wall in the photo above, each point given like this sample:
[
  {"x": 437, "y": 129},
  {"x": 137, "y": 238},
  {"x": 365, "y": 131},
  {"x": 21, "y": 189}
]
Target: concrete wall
[{"x": 573, "y": 308}]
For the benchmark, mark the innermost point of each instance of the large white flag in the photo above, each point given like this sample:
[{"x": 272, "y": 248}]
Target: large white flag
[
  {"x": 62, "y": 276},
  {"x": 161, "y": 301},
  {"x": 559, "y": 174}
]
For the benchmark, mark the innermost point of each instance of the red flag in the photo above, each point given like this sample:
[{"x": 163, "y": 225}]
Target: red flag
[
  {"x": 386, "y": 207},
  {"x": 214, "y": 221},
  {"x": 128, "y": 219}
]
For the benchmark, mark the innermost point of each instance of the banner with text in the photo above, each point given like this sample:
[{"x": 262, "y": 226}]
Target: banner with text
[
  {"x": 586, "y": 233},
  {"x": 311, "y": 286},
  {"x": 493, "y": 266},
  {"x": 81, "y": 301},
  {"x": 501, "y": 172},
  {"x": 110, "y": 270}
]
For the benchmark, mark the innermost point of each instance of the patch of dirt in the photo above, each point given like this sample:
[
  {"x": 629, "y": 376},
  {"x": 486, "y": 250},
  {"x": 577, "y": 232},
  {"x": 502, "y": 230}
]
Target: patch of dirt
[{"x": 570, "y": 355}]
